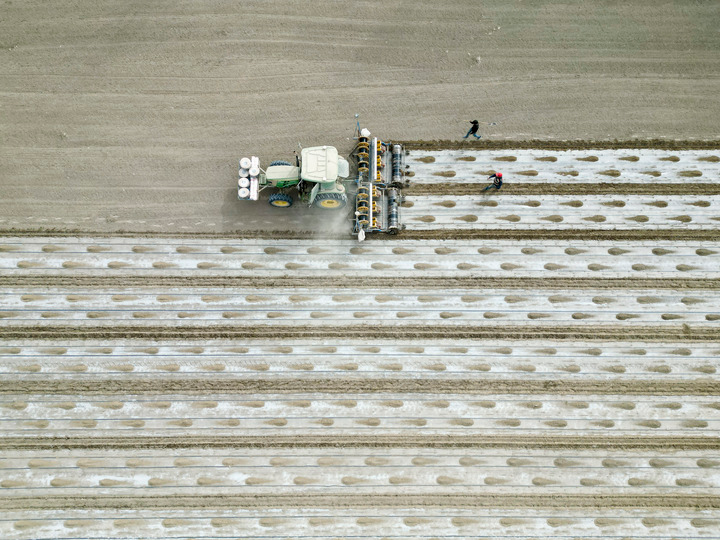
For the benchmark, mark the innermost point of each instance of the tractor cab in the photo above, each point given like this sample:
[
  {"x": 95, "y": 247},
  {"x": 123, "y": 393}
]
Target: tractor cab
[{"x": 323, "y": 164}]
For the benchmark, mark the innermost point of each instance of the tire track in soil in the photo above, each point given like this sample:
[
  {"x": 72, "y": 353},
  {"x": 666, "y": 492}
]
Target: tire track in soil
[
  {"x": 364, "y": 385},
  {"x": 684, "y": 333},
  {"x": 549, "y": 501},
  {"x": 562, "y": 443},
  {"x": 228, "y": 235},
  {"x": 350, "y": 282}
]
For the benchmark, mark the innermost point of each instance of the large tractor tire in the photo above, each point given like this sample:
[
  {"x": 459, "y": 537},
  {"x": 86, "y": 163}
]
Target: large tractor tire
[
  {"x": 280, "y": 200},
  {"x": 330, "y": 201},
  {"x": 280, "y": 162}
]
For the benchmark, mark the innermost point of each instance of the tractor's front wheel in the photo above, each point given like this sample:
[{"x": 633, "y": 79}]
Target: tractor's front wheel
[
  {"x": 330, "y": 201},
  {"x": 280, "y": 200}
]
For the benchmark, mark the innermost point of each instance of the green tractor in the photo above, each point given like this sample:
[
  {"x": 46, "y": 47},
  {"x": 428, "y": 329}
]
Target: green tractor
[{"x": 316, "y": 177}]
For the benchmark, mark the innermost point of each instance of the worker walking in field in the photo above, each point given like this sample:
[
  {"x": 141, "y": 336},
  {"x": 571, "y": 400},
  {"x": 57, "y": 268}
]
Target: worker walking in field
[
  {"x": 473, "y": 130},
  {"x": 497, "y": 181}
]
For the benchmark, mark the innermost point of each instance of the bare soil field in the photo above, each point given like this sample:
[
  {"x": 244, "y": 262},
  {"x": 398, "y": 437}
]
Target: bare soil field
[{"x": 131, "y": 116}]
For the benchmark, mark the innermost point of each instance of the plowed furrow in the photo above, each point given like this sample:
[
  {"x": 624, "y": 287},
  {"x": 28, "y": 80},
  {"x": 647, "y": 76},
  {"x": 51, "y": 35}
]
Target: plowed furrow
[
  {"x": 353, "y": 282},
  {"x": 362, "y": 501},
  {"x": 485, "y": 441},
  {"x": 364, "y": 385},
  {"x": 667, "y": 333}
]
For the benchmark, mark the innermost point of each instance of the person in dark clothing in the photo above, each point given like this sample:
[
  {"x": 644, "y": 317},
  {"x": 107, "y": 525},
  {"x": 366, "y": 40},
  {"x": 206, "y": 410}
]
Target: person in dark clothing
[
  {"x": 497, "y": 181},
  {"x": 473, "y": 130}
]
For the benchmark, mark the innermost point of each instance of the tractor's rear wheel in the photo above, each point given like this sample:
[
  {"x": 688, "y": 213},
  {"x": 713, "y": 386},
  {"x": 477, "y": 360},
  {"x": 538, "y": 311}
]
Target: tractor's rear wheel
[
  {"x": 330, "y": 201},
  {"x": 280, "y": 200},
  {"x": 280, "y": 162}
]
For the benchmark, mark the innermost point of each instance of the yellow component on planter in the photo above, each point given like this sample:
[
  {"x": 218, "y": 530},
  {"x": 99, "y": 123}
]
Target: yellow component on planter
[{"x": 330, "y": 203}]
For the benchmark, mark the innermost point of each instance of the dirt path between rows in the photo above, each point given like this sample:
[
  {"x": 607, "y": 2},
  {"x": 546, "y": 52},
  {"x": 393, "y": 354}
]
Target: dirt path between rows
[
  {"x": 376, "y": 500},
  {"x": 349, "y": 282},
  {"x": 619, "y": 333},
  {"x": 486, "y": 441},
  {"x": 362, "y": 385}
]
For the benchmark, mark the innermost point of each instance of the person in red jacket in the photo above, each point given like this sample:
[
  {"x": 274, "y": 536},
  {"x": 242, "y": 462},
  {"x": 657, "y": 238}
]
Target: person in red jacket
[{"x": 497, "y": 181}]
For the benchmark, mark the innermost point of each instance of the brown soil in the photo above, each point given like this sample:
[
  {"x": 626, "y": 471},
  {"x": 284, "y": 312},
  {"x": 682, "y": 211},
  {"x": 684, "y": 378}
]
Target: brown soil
[
  {"x": 486, "y": 441},
  {"x": 560, "y": 502},
  {"x": 619, "y": 333},
  {"x": 349, "y": 282},
  {"x": 350, "y": 383}
]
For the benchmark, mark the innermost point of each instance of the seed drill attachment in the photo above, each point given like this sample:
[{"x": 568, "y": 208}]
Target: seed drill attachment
[{"x": 380, "y": 179}]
